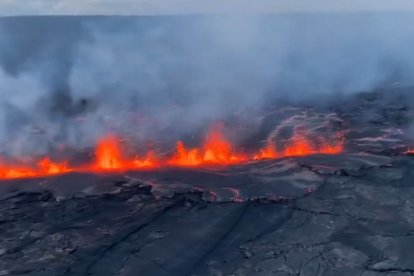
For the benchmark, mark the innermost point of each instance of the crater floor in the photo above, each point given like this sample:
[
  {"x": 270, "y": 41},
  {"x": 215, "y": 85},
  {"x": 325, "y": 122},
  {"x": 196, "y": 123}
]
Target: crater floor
[{"x": 347, "y": 214}]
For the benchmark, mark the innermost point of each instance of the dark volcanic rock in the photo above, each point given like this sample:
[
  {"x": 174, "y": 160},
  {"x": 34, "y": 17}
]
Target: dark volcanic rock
[
  {"x": 356, "y": 219},
  {"x": 346, "y": 214}
]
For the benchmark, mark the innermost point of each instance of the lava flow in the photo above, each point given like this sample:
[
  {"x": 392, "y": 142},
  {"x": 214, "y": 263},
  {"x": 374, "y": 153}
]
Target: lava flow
[
  {"x": 43, "y": 167},
  {"x": 109, "y": 157},
  {"x": 215, "y": 150},
  {"x": 299, "y": 145}
]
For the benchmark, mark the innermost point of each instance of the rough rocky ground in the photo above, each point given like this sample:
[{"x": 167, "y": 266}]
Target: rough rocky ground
[{"x": 348, "y": 214}]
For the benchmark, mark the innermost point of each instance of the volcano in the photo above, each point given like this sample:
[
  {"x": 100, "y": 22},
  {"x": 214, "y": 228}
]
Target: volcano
[
  {"x": 345, "y": 210},
  {"x": 172, "y": 146}
]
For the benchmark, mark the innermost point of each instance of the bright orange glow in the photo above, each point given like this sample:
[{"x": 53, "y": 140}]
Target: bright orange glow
[
  {"x": 7, "y": 172},
  {"x": 215, "y": 150},
  {"x": 47, "y": 167},
  {"x": 149, "y": 161},
  {"x": 108, "y": 154},
  {"x": 269, "y": 152},
  {"x": 44, "y": 167},
  {"x": 299, "y": 145},
  {"x": 109, "y": 157},
  {"x": 184, "y": 157}
]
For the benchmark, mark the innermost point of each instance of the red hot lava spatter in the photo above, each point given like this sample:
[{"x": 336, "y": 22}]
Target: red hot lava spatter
[
  {"x": 300, "y": 145},
  {"x": 215, "y": 150},
  {"x": 43, "y": 167}
]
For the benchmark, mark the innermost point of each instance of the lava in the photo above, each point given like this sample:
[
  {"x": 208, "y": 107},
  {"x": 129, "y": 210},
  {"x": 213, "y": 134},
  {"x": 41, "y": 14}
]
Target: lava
[
  {"x": 48, "y": 167},
  {"x": 215, "y": 150},
  {"x": 43, "y": 167},
  {"x": 10, "y": 172},
  {"x": 300, "y": 145},
  {"x": 109, "y": 157},
  {"x": 269, "y": 152},
  {"x": 108, "y": 154}
]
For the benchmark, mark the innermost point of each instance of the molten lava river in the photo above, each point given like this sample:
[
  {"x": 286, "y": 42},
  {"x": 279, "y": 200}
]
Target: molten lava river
[{"x": 215, "y": 150}]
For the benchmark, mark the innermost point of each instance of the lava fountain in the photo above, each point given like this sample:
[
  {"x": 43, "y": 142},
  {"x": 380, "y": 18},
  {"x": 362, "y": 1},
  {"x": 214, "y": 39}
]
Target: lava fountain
[{"x": 215, "y": 150}]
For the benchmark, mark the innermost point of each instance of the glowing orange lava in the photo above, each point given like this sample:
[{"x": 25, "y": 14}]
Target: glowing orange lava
[
  {"x": 108, "y": 154},
  {"x": 299, "y": 145},
  {"x": 44, "y": 167},
  {"x": 8, "y": 172},
  {"x": 150, "y": 161},
  {"x": 269, "y": 152},
  {"x": 48, "y": 167},
  {"x": 215, "y": 150},
  {"x": 109, "y": 157}
]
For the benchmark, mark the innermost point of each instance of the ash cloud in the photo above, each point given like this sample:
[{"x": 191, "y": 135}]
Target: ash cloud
[{"x": 66, "y": 81}]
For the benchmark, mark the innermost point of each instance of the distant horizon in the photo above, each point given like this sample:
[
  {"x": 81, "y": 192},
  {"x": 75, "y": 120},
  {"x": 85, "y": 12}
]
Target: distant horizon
[
  {"x": 195, "y": 14},
  {"x": 10, "y": 8}
]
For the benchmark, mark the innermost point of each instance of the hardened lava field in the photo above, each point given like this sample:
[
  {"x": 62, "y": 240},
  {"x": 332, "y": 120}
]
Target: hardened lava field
[
  {"x": 348, "y": 213},
  {"x": 207, "y": 145}
]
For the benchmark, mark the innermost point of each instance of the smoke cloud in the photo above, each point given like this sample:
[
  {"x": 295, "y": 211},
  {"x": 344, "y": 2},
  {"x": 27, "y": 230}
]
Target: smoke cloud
[{"x": 66, "y": 81}]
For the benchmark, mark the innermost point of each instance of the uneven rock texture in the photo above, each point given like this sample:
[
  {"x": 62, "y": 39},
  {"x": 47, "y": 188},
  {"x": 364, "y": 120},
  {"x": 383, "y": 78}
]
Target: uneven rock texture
[
  {"x": 347, "y": 214},
  {"x": 355, "y": 217}
]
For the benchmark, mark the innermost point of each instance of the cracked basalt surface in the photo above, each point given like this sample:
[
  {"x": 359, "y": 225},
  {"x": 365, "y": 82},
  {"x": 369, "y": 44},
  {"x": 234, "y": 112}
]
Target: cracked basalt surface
[
  {"x": 347, "y": 214},
  {"x": 357, "y": 221}
]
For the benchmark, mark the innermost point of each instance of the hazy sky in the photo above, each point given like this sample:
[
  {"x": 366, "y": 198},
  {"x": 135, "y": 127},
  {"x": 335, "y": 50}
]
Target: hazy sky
[{"x": 35, "y": 7}]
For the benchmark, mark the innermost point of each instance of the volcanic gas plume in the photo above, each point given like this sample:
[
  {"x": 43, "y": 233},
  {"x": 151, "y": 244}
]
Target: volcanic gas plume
[{"x": 215, "y": 150}]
